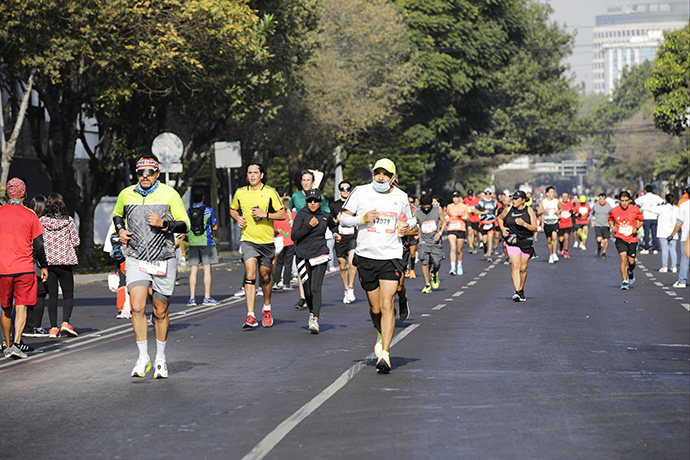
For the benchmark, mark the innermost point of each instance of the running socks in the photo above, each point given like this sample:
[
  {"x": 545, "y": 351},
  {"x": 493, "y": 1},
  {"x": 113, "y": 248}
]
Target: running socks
[
  {"x": 143, "y": 348},
  {"x": 267, "y": 308},
  {"x": 631, "y": 270},
  {"x": 160, "y": 350}
]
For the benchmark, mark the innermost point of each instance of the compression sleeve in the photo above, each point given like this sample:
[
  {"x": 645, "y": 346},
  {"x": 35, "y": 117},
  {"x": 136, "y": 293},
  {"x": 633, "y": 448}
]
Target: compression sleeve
[
  {"x": 40, "y": 252},
  {"x": 119, "y": 223},
  {"x": 347, "y": 220}
]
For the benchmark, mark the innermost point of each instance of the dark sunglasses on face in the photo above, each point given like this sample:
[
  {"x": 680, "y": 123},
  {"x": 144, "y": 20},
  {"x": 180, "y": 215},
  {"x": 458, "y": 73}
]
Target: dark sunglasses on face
[
  {"x": 345, "y": 189},
  {"x": 313, "y": 200},
  {"x": 147, "y": 171}
]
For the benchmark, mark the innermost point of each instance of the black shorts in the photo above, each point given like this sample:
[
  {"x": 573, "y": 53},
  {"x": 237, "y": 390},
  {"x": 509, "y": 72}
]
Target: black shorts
[
  {"x": 624, "y": 246},
  {"x": 564, "y": 231},
  {"x": 550, "y": 229},
  {"x": 602, "y": 232},
  {"x": 370, "y": 271},
  {"x": 486, "y": 231},
  {"x": 579, "y": 226},
  {"x": 462, "y": 234},
  {"x": 474, "y": 225},
  {"x": 346, "y": 244}
]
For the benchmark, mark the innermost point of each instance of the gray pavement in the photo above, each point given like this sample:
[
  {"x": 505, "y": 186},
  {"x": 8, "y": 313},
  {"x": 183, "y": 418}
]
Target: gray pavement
[{"x": 580, "y": 370}]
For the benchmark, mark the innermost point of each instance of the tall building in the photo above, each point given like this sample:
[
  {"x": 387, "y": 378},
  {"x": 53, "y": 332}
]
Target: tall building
[{"x": 628, "y": 35}]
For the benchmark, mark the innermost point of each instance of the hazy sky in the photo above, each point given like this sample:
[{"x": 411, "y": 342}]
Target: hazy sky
[{"x": 579, "y": 15}]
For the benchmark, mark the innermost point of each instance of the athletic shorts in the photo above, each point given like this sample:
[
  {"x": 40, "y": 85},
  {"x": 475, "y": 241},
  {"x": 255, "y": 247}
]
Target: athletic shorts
[
  {"x": 474, "y": 225},
  {"x": 263, "y": 252},
  {"x": 163, "y": 284},
  {"x": 550, "y": 229},
  {"x": 488, "y": 231},
  {"x": 370, "y": 271},
  {"x": 202, "y": 255},
  {"x": 579, "y": 226},
  {"x": 346, "y": 244},
  {"x": 602, "y": 232},
  {"x": 20, "y": 288},
  {"x": 624, "y": 246},
  {"x": 564, "y": 231},
  {"x": 430, "y": 255},
  {"x": 516, "y": 250},
  {"x": 461, "y": 234}
]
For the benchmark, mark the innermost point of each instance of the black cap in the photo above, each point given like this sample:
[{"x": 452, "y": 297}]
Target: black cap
[
  {"x": 456, "y": 193},
  {"x": 313, "y": 194},
  {"x": 470, "y": 192},
  {"x": 520, "y": 194}
]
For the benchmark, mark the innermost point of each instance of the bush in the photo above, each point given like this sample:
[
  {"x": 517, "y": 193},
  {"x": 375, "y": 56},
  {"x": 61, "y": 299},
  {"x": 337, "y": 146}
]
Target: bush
[{"x": 99, "y": 261}]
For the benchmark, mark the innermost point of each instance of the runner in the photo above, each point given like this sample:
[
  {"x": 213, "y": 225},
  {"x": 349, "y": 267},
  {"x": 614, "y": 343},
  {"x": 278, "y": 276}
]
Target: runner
[
  {"x": 486, "y": 210},
  {"x": 412, "y": 240},
  {"x": 518, "y": 224},
  {"x": 254, "y": 207},
  {"x": 471, "y": 202},
  {"x": 600, "y": 222},
  {"x": 582, "y": 222},
  {"x": 308, "y": 233},
  {"x": 626, "y": 219},
  {"x": 146, "y": 217},
  {"x": 432, "y": 223},
  {"x": 565, "y": 225},
  {"x": 377, "y": 208},
  {"x": 345, "y": 247},
  {"x": 202, "y": 246},
  {"x": 282, "y": 270},
  {"x": 458, "y": 213}
]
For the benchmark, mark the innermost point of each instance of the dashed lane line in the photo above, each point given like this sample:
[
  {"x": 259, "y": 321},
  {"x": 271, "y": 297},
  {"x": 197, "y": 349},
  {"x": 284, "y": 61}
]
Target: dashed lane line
[{"x": 439, "y": 306}]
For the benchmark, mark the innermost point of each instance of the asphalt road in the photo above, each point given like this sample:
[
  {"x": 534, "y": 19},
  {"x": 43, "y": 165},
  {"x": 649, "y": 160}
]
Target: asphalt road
[{"x": 581, "y": 370}]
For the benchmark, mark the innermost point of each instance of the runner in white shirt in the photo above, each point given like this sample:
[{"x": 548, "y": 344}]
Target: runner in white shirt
[
  {"x": 382, "y": 214},
  {"x": 549, "y": 209}
]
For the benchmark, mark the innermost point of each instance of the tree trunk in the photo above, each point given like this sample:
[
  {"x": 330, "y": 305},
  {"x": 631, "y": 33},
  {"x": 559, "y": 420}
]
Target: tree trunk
[{"x": 9, "y": 148}]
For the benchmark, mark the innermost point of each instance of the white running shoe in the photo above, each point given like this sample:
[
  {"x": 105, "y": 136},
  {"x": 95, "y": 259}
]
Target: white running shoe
[
  {"x": 555, "y": 257},
  {"x": 351, "y": 294},
  {"x": 142, "y": 367},
  {"x": 160, "y": 369},
  {"x": 663, "y": 270},
  {"x": 313, "y": 324},
  {"x": 378, "y": 348},
  {"x": 551, "y": 259},
  {"x": 346, "y": 296}
]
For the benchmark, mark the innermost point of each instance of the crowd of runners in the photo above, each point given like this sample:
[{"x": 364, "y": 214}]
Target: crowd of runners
[{"x": 377, "y": 233}]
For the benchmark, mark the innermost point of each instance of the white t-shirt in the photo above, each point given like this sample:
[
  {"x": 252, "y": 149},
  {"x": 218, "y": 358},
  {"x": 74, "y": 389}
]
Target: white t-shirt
[
  {"x": 683, "y": 219},
  {"x": 379, "y": 239},
  {"x": 550, "y": 210}
]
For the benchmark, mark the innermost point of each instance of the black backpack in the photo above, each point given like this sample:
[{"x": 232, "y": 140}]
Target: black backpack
[{"x": 196, "y": 217}]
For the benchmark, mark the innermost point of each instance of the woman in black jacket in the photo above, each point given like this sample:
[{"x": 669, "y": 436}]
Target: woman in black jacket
[{"x": 308, "y": 233}]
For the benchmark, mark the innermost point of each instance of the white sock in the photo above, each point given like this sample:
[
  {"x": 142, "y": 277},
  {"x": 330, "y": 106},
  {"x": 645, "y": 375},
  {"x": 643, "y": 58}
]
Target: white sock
[
  {"x": 160, "y": 350},
  {"x": 143, "y": 348},
  {"x": 251, "y": 313},
  {"x": 459, "y": 265},
  {"x": 267, "y": 308}
]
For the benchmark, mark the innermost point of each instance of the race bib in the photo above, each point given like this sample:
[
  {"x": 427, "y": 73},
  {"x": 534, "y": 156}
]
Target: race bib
[
  {"x": 625, "y": 230},
  {"x": 565, "y": 214},
  {"x": 158, "y": 268},
  {"x": 384, "y": 223},
  {"x": 471, "y": 208},
  {"x": 346, "y": 230},
  {"x": 429, "y": 226},
  {"x": 314, "y": 261},
  {"x": 582, "y": 210},
  {"x": 455, "y": 226}
]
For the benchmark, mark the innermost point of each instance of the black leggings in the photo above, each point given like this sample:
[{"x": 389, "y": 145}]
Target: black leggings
[
  {"x": 63, "y": 274},
  {"x": 34, "y": 316},
  {"x": 312, "y": 280}
]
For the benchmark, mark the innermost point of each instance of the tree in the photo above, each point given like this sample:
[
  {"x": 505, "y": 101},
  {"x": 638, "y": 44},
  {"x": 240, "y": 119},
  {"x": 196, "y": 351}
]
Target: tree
[
  {"x": 9, "y": 147},
  {"x": 670, "y": 82}
]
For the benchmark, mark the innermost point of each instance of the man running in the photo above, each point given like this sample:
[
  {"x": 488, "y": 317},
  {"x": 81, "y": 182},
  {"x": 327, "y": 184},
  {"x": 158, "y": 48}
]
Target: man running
[
  {"x": 626, "y": 219},
  {"x": 600, "y": 222},
  {"x": 254, "y": 207},
  {"x": 378, "y": 209},
  {"x": 146, "y": 216},
  {"x": 458, "y": 213},
  {"x": 345, "y": 248},
  {"x": 582, "y": 222},
  {"x": 432, "y": 223},
  {"x": 565, "y": 225},
  {"x": 471, "y": 202},
  {"x": 486, "y": 210}
]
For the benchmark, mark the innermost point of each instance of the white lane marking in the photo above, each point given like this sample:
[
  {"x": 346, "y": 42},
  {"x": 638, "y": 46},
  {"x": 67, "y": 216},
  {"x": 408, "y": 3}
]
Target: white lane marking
[
  {"x": 439, "y": 306},
  {"x": 274, "y": 437},
  {"x": 671, "y": 293},
  {"x": 448, "y": 300},
  {"x": 658, "y": 283},
  {"x": 457, "y": 294},
  {"x": 482, "y": 274},
  {"x": 471, "y": 283},
  {"x": 686, "y": 305},
  {"x": 425, "y": 314},
  {"x": 679, "y": 298},
  {"x": 649, "y": 274}
]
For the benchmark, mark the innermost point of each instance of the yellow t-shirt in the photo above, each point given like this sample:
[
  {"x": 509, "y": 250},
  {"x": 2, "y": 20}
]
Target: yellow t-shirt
[{"x": 266, "y": 198}]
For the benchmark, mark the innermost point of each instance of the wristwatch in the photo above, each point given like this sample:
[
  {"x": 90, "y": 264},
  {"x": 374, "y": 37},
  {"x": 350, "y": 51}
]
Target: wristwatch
[{"x": 165, "y": 225}]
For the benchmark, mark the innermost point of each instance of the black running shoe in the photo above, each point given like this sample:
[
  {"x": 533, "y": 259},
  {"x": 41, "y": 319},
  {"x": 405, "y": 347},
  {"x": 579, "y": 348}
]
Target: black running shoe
[
  {"x": 24, "y": 347},
  {"x": 522, "y": 296},
  {"x": 404, "y": 310},
  {"x": 516, "y": 296},
  {"x": 301, "y": 304}
]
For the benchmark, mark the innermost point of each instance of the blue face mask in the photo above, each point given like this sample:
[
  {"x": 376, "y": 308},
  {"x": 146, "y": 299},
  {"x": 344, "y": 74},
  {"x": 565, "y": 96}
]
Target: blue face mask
[{"x": 381, "y": 188}]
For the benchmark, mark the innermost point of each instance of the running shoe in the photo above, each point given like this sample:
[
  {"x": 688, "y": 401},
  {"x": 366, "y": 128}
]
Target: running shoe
[
  {"x": 598, "y": 251},
  {"x": 624, "y": 286},
  {"x": 412, "y": 275},
  {"x": 13, "y": 351},
  {"x": 426, "y": 289},
  {"x": 516, "y": 296},
  {"x": 678, "y": 284},
  {"x": 54, "y": 333},
  {"x": 566, "y": 255},
  {"x": 259, "y": 292},
  {"x": 160, "y": 369},
  {"x": 604, "y": 256},
  {"x": 507, "y": 262},
  {"x": 551, "y": 261},
  {"x": 383, "y": 364},
  {"x": 576, "y": 245},
  {"x": 177, "y": 282},
  {"x": 489, "y": 259},
  {"x": 24, "y": 347},
  {"x": 435, "y": 282},
  {"x": 351, "y": 293},
  {"x": 522, "y": 296},
  {"x": 250, "y": 321},
  {"x": 404, "y": 310},
  {"x": 560, "y": 252},
  {"x": 378, "y": 347},
  {"x": 644, "y": 251},
  {"x": 149, "y": 321},
  {"x": 210, "y": 302},
  {"x": 267, "y": 321},
  {"x": 460, "y": 270},
  {"x": 655, "y": 252},
  {"x": 407, "y": 273},
  {"x": 313, "y": 324},
  {"x": 65, "y": 327},
  {"x": 555, "y": 257},
  {"x": 191, "y": 303},
  {"x": 278, "y": 287},
  {"x": 36, "y": 332},
  {"x": 142, "y": 367},
  {"x": 674, "y": 269},
  {"x": 631, "y": 280},
  {"x": 239, "y": 293},
  {"x": 583, "y": 247},
  {"x": 300, "y": 305},
  {"x": 346, "y": 297},
  {"x": 452, "y": 272},
  {"x": 123, "y": 315}
]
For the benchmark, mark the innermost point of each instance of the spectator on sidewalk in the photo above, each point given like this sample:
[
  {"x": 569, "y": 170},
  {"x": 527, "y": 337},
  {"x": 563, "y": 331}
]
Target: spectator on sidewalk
[
  {"x": 61, "y": 238},
  {"x": 646, "y": 202},
  {"x": 682, "y": 226},
  {"x": 202, "y": 246},
  {"x": 667, "y": 214},
  {"x": 34, "y": 314},
  {"x": 21, "y": 237}
]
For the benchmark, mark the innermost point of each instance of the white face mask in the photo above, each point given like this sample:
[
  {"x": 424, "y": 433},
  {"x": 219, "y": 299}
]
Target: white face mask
[{"x": 381, "y": 187}]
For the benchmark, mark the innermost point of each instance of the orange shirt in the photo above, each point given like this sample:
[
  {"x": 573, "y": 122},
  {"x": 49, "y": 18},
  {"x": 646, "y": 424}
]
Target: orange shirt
[{"x": 455, "y": 220}]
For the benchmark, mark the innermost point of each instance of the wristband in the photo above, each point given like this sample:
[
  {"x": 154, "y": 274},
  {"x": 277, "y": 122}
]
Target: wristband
[{"x": 361, "y": 218}]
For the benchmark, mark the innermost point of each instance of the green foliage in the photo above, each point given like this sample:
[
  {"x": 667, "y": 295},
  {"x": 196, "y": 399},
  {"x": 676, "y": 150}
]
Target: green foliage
[{"x": 670, "y": 83}]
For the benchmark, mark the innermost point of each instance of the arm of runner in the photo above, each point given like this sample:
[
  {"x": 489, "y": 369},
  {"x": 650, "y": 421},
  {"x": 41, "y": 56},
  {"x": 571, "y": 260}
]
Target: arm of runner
[
  {"x": 179, "y": 222},
  {"x": 235, "y": 212},
  {"x": 501, "y": 220},
  {"x": 300, "y": 227}
]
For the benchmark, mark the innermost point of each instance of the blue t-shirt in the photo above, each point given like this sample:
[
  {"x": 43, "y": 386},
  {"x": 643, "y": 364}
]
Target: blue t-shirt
[{"x": 206, "y": 238}]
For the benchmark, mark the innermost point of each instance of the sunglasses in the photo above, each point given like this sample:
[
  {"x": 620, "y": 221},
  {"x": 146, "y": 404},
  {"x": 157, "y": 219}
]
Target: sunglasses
[
  {"x": 313, "y": 200},
  {"x": 147, "y": 171},
  {"x": 345, "y": 189}
]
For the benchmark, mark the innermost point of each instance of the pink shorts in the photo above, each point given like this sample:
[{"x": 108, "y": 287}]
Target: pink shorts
[
  {"x": 515, "y": 250},
  {"x": 20, "y": 288}
]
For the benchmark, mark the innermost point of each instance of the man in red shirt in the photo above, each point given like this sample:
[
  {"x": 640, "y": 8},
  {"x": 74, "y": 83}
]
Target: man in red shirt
[
  {"x": 582, "y": 211},
  {"x": 21, "y": 238},
  {"x": 471, "y": 202},
  {"x": 625, "y": 220},
  {"x": 565, "y": 225}
]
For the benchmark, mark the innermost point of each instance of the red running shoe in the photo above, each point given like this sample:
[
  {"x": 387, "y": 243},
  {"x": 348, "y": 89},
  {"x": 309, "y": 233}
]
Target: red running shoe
[
  {"x": 268, "y": 319},
  {"x": 250, "y": 321},
  {"x": 566, "y": 255}
]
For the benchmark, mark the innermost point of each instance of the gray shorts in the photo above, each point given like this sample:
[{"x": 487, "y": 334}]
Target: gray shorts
[
  {"x": 263, "y": 252},
  {"x": 202, "y": 255},
  {"x": 162, "y": 284},
  {"x": 430, "y": 255}
]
